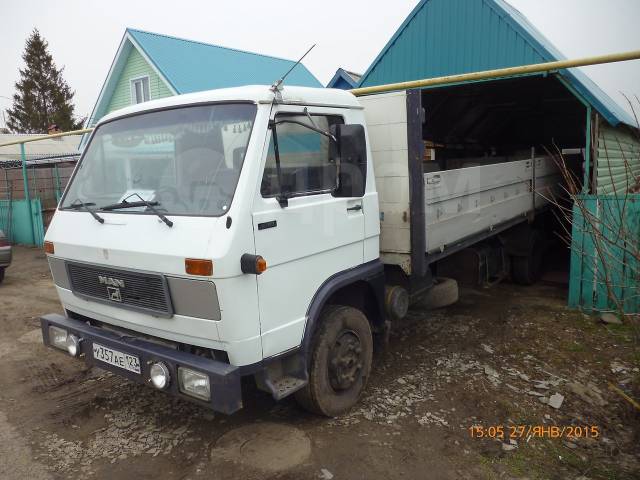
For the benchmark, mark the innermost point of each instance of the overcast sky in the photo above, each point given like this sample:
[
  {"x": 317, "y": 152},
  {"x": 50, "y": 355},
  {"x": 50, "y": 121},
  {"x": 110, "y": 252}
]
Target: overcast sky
[{"x": 83, "y": 35}]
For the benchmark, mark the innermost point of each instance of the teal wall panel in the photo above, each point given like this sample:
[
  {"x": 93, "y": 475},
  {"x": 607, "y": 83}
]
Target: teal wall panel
[
  {"x": 605, "y": 268},
  {"x": 20, "y": 228},
  {"x": 444, "y": 37}
]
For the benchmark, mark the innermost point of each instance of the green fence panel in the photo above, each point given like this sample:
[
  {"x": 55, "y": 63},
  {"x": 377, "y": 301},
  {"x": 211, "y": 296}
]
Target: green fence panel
[
  {"x": 20, "y": 226},
  {"x": 631, "y": 279},
  {"x": 38, "y": 222},
  {"x": 604, "y": 253}
]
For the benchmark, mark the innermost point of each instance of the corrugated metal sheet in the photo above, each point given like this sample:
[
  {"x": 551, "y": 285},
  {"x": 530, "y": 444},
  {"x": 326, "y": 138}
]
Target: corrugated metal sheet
[
  {"x": 50, "y": 147},
  {"x": 605, "y": 271},
  {"x": 446, "y": 37},
  {"x": 442, "y": 37},
  {"x": 195, "y": 66},
  {"x": 618, "y": 167}
]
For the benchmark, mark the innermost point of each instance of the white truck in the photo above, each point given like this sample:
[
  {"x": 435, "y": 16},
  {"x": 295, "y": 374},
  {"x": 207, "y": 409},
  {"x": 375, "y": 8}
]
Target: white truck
[{"x": 268, "y": 233}]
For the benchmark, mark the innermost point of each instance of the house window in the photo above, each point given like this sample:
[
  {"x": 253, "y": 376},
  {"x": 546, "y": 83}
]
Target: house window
[{"x": 139, "y": 90}]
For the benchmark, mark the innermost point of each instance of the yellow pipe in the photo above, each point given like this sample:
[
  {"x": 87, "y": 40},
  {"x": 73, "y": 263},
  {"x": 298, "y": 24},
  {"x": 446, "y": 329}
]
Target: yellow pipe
[
  {"x": 43, "y": 137},
  {"x": 500, "y": 72},
  {"x": 429, "y": 82}
]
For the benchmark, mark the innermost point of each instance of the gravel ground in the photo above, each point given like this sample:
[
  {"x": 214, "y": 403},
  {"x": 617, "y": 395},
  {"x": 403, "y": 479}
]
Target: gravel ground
[{"x": 506, "y": 358}]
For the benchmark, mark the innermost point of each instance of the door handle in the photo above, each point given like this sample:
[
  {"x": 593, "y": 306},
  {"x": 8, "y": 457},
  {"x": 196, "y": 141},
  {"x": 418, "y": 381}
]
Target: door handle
[{"x": 355, "y": 208}]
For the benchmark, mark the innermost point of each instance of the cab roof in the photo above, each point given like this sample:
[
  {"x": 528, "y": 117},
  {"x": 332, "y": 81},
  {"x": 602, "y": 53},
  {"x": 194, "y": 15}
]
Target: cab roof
[{"x": 252, "y": 93}]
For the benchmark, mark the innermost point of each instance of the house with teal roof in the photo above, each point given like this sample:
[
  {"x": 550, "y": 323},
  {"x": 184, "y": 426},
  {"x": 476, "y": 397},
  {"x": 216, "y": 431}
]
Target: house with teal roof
[
  {"x": 344, "y": 79},
  {"x": 149, "y": 65}
]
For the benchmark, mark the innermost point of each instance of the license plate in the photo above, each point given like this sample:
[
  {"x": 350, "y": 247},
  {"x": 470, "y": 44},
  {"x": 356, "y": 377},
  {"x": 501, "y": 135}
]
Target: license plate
[{"x": 116, "y": 358}]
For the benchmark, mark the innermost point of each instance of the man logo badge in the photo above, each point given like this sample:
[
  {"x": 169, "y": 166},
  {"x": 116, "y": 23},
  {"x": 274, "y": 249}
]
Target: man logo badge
[
  {"x": 110, "y": 281},
  {"x": 113, "y": 287},
  {"x": 114, "y": 294}
]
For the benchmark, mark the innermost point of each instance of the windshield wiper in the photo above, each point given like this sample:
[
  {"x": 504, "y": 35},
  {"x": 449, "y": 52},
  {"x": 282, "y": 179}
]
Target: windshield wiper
[
  {"x": 141, "y": 203},
  {"x": 283, "y": 197},
  {"x": 306, "y": 125},
  {"x": 77, "y": 203},
  {"x": 318, "y": 129}
]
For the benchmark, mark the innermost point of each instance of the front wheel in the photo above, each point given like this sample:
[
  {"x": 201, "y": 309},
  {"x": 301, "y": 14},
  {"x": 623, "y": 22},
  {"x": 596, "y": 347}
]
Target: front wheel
[
  {"x": 1, "y": 274},
  {"x": 340, "y": 363}
]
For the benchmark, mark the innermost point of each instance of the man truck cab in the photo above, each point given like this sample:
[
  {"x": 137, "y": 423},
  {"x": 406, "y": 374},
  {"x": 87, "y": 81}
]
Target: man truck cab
[
  {"x": 207, "y": 237},
  {"x": 243, "y": 232}
]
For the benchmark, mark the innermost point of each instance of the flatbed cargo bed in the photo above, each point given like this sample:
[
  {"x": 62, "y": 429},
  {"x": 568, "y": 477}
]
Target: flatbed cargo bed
[{"x": 428, "y": 212}]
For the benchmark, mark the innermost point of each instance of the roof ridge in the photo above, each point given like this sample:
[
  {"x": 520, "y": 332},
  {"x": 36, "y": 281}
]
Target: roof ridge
[
  {"x": 173, "y": 37},
  {"x": 612, "y": 110}
]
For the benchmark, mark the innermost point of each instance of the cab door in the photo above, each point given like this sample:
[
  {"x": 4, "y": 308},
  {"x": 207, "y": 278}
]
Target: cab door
[{"x": 307, "y": 237}]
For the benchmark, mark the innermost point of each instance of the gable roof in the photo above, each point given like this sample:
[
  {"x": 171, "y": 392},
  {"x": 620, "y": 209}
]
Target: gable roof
[
  {"x": 462, "y": 36},
  {"x": 191, "y": 66},
  {"x": 187, "y": 66},
  {"x": 344, "y": 78}
]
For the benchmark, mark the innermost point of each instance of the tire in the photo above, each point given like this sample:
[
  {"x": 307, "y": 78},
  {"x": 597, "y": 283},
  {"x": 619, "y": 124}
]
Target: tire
[
  {"x": 443, "y": 293},
  {"x": 2, "y": 274},
  {"x": 340, "y": 362}
]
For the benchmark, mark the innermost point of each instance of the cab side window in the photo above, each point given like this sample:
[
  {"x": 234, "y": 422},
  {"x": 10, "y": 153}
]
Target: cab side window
[{"x": 306, "y": 166}]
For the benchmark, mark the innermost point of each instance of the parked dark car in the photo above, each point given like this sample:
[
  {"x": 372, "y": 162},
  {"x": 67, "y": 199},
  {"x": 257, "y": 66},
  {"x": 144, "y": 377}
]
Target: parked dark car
[{"x": 5, "y": 254}]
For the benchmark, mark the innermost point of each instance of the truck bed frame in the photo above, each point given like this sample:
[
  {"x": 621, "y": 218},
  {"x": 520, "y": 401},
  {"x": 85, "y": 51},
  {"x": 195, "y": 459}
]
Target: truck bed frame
[{"x": 425, "y": 217}]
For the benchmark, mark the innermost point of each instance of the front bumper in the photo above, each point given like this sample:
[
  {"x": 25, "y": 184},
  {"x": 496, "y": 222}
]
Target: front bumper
[
  {"x": 5, "y": 257},
  {"x": 226, "y": 394}
]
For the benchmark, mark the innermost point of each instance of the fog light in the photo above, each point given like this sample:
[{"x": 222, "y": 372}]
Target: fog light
[
  {"x": 159, "y": 375},
  {"x": 58, "y": 337},
  {"x": 195, "y": 384},
  {"x": 73, "y": 345}
]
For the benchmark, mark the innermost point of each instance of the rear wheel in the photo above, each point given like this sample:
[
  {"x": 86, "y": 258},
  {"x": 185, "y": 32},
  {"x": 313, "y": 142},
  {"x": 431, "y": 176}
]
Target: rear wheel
[
  {"x": 340, "y": 363},
  {"x": 1, "y": 274}
]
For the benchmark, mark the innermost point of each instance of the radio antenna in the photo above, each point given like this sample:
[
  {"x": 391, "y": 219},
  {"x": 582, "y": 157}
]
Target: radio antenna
[{"x": 276, "y": 85}]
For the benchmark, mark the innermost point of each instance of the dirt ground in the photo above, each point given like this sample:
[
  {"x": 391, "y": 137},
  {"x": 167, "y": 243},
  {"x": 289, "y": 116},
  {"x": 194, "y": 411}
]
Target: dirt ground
[{"x": 450, "y": 382}]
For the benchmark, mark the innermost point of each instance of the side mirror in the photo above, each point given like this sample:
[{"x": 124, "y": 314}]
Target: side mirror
[{"x": 351, "y": 159}]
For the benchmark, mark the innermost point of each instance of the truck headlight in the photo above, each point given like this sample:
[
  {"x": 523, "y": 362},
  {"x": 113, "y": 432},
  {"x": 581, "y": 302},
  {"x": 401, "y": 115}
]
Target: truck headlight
[
  {"x": 58, "y": 337},
  {"x": 193, "y": 383},
  {"x": 159, "y": 375},
  {"x": 73, "y": 345}
]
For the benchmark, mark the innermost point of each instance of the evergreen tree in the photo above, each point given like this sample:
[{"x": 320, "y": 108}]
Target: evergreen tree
[{"x": 43, "y": 97}]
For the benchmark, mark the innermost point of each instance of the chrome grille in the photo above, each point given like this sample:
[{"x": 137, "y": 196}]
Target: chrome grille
[{"x": 141, "y": 291}]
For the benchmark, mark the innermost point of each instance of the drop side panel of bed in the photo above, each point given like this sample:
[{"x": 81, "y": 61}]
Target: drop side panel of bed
[{"x": 464, "y": 202}]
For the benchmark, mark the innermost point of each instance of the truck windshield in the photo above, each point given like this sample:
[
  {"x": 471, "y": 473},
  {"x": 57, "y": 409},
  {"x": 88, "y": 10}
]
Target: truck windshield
[{"x": 185, "y": 160}]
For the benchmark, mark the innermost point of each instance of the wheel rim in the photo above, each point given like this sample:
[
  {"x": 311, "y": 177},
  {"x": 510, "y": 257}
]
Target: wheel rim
[{"x": 345, "y": 360}]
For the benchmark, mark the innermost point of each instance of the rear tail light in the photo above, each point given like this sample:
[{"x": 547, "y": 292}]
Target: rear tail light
[{"x": 4, "y": 242}]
